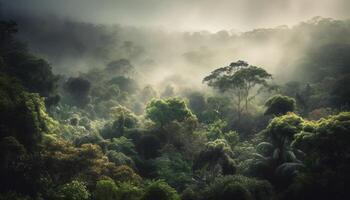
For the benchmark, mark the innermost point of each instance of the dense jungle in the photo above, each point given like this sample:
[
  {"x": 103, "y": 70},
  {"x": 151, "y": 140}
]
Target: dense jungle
[{"x": 132, "y": 111}]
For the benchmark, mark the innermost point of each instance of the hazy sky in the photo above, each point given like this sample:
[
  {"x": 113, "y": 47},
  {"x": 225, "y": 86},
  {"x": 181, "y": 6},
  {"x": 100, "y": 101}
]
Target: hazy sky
[{"x": 212, "y": 15}]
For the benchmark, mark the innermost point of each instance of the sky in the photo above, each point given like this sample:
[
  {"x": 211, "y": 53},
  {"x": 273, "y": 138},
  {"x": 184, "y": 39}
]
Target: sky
[{"x": 186, "y": 15}]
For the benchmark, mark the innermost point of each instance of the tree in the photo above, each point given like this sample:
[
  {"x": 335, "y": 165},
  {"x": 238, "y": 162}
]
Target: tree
[
  {"x": 123, "y": 145},
  {"x": 160, "y": 190},
  {"x": 23, "y": 115},
  {"x": 123, "y": 173},
  {"x": 119, "y": 158},
  {"x": 33, "y": 73},
  {"x": 79, "y": 89},
  {"x": 197, "y": 103},
  {"x": 281, "y": 130},
  {"x": 327, "y": 148},
  {"x": 106, "y": 190},
  {"x": 327, "y": 141},
  {"x": 279, "y": 105},
  {"x": 237, "y": 187},
  {"x": 174, "y": 169},
  {"x": 277, "y": 160},
  {"x": 74, "y": 190},
  {"x": 124, "y": 118},
  {"x": 215, "y": 159},
  {"x": 239, "y": 78},
  {"x": 128, "y": 191},
  {"x": 164, "y": 111},
  {"x": 218, "y": 107}
]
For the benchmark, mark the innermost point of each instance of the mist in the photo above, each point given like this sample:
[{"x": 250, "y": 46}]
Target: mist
[
  {"x": 167, "y": 39},
  {"x": 185, "y": 15}
]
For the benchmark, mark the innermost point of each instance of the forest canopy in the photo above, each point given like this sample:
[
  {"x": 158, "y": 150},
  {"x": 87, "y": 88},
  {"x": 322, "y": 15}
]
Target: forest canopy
[{"x": 102, "y": 112}]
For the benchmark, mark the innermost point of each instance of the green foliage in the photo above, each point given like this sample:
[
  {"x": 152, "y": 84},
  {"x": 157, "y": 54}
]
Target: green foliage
[
  {"x": 160, "y": 190},
  {"x": 321, "y": 145},
  {"x": 243, "y": 154},
  {"x": 164, "y": 111},
  {"x": 94, "y": 137},
  {"x": 237, "y": 187},
  {"x": 279, "y": 105},
  {"x": 122, "y": 144},
  {"x": 88, "y": 163},
  {"x": 106, "y": 190},
  {"x": 122, "y": 119},
  {"x": 119, "y": 158},
  {"x": 320, "y": 113},
  {"x": 327, "y": 142},
  {"x": 265, "y": 149},
  {"x": 35, "y": 74},
  {"x": 124, "y": 173},
  {"x": 282, "y": 129},
  {"x": 276, "y": 160},
  {"x": 74, "y": 190},
  {"x": 28, "y": 110},
  {"x": 214, "y": 160},
  {"x": 86, "y": 139},
  {"x": 216, "y": 130},
  {"x": 127, "y": 191},
  {"x": 219, "y": 144},
  {"x": 174, "y": 169},
  {"x": 218, "y": 107}
]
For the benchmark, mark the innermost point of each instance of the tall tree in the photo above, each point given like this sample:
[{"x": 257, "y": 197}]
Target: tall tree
[{"x": 239, "y": 78}]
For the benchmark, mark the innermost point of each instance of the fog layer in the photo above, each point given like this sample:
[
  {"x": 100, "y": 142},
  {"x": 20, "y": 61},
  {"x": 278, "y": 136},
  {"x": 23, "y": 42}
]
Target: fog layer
[
  {"x": 76, "y": 37},
  {"x": 212, "y": 15}
]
